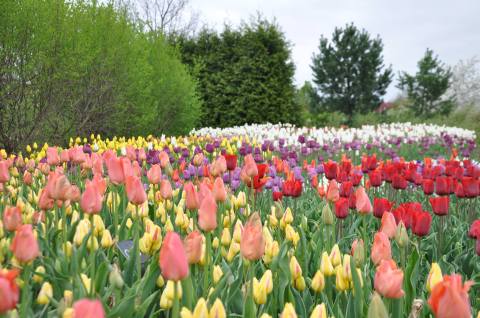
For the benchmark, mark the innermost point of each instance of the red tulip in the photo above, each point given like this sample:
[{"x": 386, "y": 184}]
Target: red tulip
[
  {"x": 421, "y": 223},
  {"x": 388, "y": 226},
  {"x": 87, "y": 308},
  {"x": 173, "y": 259},
  {"x": 441, "y": 185},
  {"x": 474, "y": 231},
  {"x": 252, "y": 242},
  {"x": 12, "y": 218},
  {"x": 4, "y": 173},
  {"x": 428, "y": 186},
  {"x": 381, "y": 205},
  {"x": 154, "y": 174},
  {"x": 330, "y": 168},
  {"x": 9, "y": 292},
  {"x": 277, "y": 195},
  {"x": 231, "y": 161},
  {"x": 362, "y": 201},
  {"x": 440, "y": 205},
  {"x": 292, "y": 188},
  {"x": 459, "y": 193},
  {"x": 24, "y": 245},
  {"x": 381, "y": 249},
  {"x": 389, "y": 279},
  {"x": 375, "y": 178},
  {"x": 191, "y": 196},
  {"x": 341, "y": 208},
  {"x": 346, "y": 188},
  {"x": 207, "y": 213},
  {"x": 399, "y": 182},
  {"x": 471, "y": 187},
  {"x": 135, "y": 191},
  {"x": 449, "y": 298},
  {"x": 91, "y": 200},
  {"x": 193, "y": 247}
]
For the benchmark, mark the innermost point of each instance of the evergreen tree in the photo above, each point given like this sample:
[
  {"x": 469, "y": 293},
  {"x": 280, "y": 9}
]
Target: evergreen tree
[
  {"x": 426, "y": 89},
  {"x": 349, "y": 71}
]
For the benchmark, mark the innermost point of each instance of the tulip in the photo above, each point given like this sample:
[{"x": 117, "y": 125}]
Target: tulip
[
  {"x": 207, "y": 213},
  {"x": 377, "y": 308},
  {"x": 363, "y": 204},
  {"x": 58, "y": 186},
  {"x": 318, "y": 281},
  {"x": 24, "y": 245},
  {"x": 154, "y": 174},
  {"x": 53, "y": 158},
  {"x": 358, "y": 252},
  {"x": 193, "y": 247},
  {"x": 327, "y": 215},
  {"x": 428, "y": 186},
  {"x": 401, "y": 235},
  {"x": 9, "y": 291},
  {"x": 440, "y": 205},
  {"x": 4, "y": 173},
  {"x": 449, "y": 298},
  {"x": 191, "y": 196},
  {"x": 333, "y": 193},
  {"x": 474, "y": 231},
  {"x": 166, "y": 191},
  {"x": 441, "y": 185},
  {"x": 173, "y": 259},
  {"x": 44, "y": 200},
  {"x": 218, "y": 191},
  {"x": 421, "y": 223},
  {"x": 87, "y": 308},
  {"x": 375, "y": 177},
  {"x": 381, "y": 249},
  {"x": 27, "y": 178},
  {"x": 341, "y": 208},
  {"x": 288, "y": 311},
  {"x": 91, "y": 201},
  {"x": 12, "y": 218},
  {"x": 292, "y": 188},
  {"x": 380, "y": 205},
  {"x": 388, "y": 226},
  {"x": 335, "y": 256},
  {"x": 45, "y": 293},
  {"x": 330, "y": 168},
  {"x": 389, "y": 279},
  {"x": 471, "y": 187},
  {"x": 252, "y": 243},
  {"x": 115, "y": 170},
  {"x": 320, "y": 311},
  {"x": 326, "y": 265},
  {"x": 217, "y": 310},
  {"x": 135, "y": 190},
  {"x": 434, "y": 276}
]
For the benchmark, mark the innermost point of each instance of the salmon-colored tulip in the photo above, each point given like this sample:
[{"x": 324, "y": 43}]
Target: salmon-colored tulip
[
  {"x": 381, "y": 248},
  {"x": 173, "y": 259},
  {"x": 154, "y": 174},
  {"x": 76, "y": 154},
  {"x": 97, "y": 164},
  {"x": 204, "y": 191},
  {"x": 24, "y": 245},
  {"x": 115, "y": 170},
  {"x": 164, "y": 159},
  {"x": 44, "y": 200},
  {"x": 449, "y": 298},
  {"x": 9, "y": 291},
  {"x": 193, "y": 247},
  {"x": 166, "y": 189},
  {"x": 12, "y": 218},
  {"x": 333, "y": 193},
  {"x": 362, "y": 202},
  {"x": 91, "y": 200},
  {"x": 252, "y": 243},
  {"x": 53, "y": 158},
  {"x": 4, "y": 173},
  {"x": 207, "y": 213},
  {"x": 389, "y": 279},
  {"x": 389, "y": 226},
  {"x": 219, "y": 192},
  {"x": 100, "y": 183},
  {"x": 218, "y": 167},
  {"x": 58, "y": 186},
  {"x": 64, "y": 156},
  {"x": 86, "y": 308},
  {"x": 135, "y": 190},
  {"x": 27, "y": 178},
  {"x": 74, "y": 194},
  {"x": 191, "y": 196}
]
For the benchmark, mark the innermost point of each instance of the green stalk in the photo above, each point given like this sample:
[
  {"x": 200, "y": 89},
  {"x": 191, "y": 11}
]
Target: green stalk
[
  {"x": 206, "y": 269},
  {"x": 25, "y": 300},
  {"x": 176, "y": 303},
  {"x": 92, "y": 261}
]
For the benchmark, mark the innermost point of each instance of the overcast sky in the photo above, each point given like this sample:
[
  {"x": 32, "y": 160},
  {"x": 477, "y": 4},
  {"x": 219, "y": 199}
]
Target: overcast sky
[{"x": 407, "y": 27}]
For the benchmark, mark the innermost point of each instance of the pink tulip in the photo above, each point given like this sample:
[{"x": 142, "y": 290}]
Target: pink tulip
[
  {"x": 362, "y": 202},
  {"x": 12, "y": 218},
  {"x": 381, "y": 249},
  {"x": 76, "y": 154},
  {"x": 173, "y": 259},
  {"x": 207, "y": 214},
  {"x": 64, "y": 156},
  {"x": 166, "y": 189},
  {"x": 252, "y": 242},
  {"x": 135, "y": 191},
  {"x": 24, "y": 245},
  {"x": 154, "y": 174},
  {"x": 389, "y": 280},
  {"x": 191, "y": 196},
  {"x": 115, "y": 170},
  {"x": 193, "y": 247},
  {"x": 53, "y": 158},
  {"x": 4, "y": 173},
  {"x": 9, "y": 291},
  {"x": 91, "y": 201},
  {"x": 57, "y": 186},
  {"x": 219, "y": 192},
  {"x": 27, "y": 178},
  {"x": 333, "y": 193},
  {"x": 389, "y": 226},
  {"x": 44, "y": 200},
  {"x": 164, "y": 159},
  {"x": 86, "y": 308}
]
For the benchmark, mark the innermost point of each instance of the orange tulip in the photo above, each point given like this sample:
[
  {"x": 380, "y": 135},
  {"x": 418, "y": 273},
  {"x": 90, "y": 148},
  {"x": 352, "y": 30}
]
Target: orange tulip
[
  {"x": 252, "y": 242},
  {"x": 166, "y": 189},
  {"x": 24, "y": 245},
  {"x": 173, "y": 259},
  {"x": 115, "y": 170},
  {"x": 164, "y": 159},
  {"x": 4, "y": 173},
  {"x": 154, "y": 174},
  {"x": 193, "y": 247},
  {"x": 381, "y": 249},
  {"x": 87, "y": 308},
  {"x": 191, "y": 196},
  {"x": 333, "y": 193},
  {"x": 91, "y": 200},
  {"x": 449, "y": 298},
  {"x": 362, "y": 202},
  {"x": 135, "y": 191},
  {"x": 389, "y": 226},
  {"x": 389, "y": 279},
  {"x": 207, "y": 213},
  {"x": 12, "y": 218},
  {"x": 219, "y": 192}
]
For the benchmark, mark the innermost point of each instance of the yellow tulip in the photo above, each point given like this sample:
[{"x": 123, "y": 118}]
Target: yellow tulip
[
  {"x": 288, "y": 311},
  {"x": 318, "y": 281},
  {"x": 46, "y": 292},
  {"x": 217, "y": 274},
  {"x": 320, "y": 311},
  {"x": 335, "y": 256},
  {"x": 38, "y": 276},
  {"x": 295, "y": 268},
  {"x": 217, "y": 310},
  {"x": 326, "y": 265},
  {"x": 201, "y": 310},
  {"x": 434, "y": 276}
]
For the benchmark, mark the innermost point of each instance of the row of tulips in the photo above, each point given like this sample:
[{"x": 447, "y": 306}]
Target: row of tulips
[{"x": 177, "y": 228}]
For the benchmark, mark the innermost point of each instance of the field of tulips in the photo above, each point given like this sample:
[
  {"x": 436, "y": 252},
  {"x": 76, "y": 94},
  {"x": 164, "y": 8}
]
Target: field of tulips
[{"x": 254, "y": 221}]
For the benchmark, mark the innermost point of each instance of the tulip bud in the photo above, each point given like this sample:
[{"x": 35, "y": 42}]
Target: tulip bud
[
  {"x": 320, "y": 311},
  {"x": 201, "y": 309},
  {"x": 218, "y": 310},
  {"x": 359, "y": 253},
  {"x": 278, "y": 209},
  {"x": 434, "y": 276},
  {"x": 318, "y": 282},
  {"x": 46, "y": 292},
  {"x": 39, "y": 273},
  {"x": 335, "y": 256},
  {"x": 217, "y": 274},
  {"x": 401, "y": 235},
  {"x": 377, "y": 308},
  {"x": 288, "y": 311},
  {"x": 115, "y": 278},
  {"x": 326, "y": 265},
  {"x": 327, "y": 215}
]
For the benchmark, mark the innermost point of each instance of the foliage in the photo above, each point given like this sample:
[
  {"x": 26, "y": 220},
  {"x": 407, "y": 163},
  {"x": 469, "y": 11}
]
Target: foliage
[
  {"x": 426, "y": 89},
  {"x": 73, "y": 68},
  {"x": 349, "y": 71},
  {"x": 245, "y": 75}
]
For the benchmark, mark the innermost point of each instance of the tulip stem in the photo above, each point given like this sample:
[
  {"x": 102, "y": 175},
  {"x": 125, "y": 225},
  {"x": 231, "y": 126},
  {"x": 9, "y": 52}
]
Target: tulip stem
[
  {"x": 206, "y": 269},
  {"x": 176, "y": 303},
  {"x": 92, "y": 260},
  {"x": 136, "y": 242},
  {"x": 25, "y": 301},
  {"x": 114, "y": 213}
]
